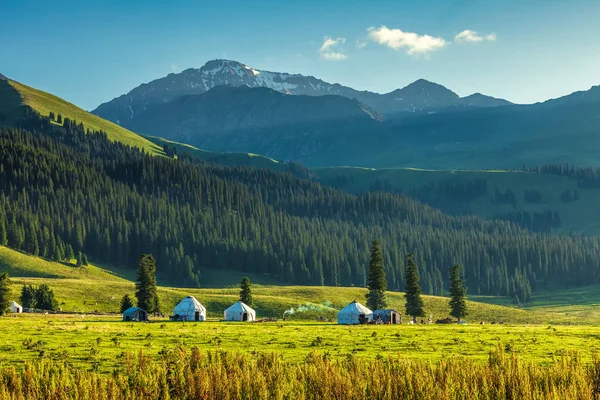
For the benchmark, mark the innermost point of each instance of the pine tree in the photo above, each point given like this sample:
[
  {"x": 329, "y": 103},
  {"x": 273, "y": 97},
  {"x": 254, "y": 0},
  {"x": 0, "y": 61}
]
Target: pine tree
[
  {"x": 458, "y": 294},
  {"x": 147, "y": 297},
  {"x": 79, "y": 262},
  {"x": 59, "y": 119},
  {"x": 3, "y": 235},
  {"x": 51, "y": 116},
  {"x": 69, "y": 253},
  {"x": 28, "y": 296},
  {"x": 4, "y": 292},
  {"x": 246, "y": 291},
  {"x": 126, "y": 302},
  {"x": 84, "y": 260},
  {"x": 377, "y": 283},
  {"x": 44, "y": 298},
  {"x": 412, "y": 291}
]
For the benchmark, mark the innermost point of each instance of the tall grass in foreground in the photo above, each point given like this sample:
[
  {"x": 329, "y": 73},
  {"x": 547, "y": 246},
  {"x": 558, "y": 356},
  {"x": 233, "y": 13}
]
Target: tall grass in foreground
[{"x": 192, "y": 374}]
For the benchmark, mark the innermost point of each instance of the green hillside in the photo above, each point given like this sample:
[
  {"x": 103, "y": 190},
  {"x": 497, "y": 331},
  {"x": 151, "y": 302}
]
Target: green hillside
[
  {"x": 90, "y": 288},
  {"x": 578, "y": 215},
  {"x": 14, "y": 94},
  {"x": 230, "y": 159}
]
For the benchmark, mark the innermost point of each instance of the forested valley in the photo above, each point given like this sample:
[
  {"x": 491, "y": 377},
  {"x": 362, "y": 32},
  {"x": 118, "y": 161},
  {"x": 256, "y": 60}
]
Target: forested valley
[{"x": 65, "y": 192}]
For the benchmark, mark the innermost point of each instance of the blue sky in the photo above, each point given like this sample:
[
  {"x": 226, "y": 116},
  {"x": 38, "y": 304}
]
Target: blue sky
[{"x": 89, "y": 52}]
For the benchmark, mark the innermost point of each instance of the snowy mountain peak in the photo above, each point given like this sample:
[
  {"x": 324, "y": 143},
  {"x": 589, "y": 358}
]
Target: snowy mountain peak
[{"x": 419, "y": 95}]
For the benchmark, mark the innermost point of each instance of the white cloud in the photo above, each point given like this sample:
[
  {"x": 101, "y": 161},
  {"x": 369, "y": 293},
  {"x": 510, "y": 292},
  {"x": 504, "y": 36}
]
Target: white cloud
[
  {"x": 361, "y": 44},
  {"x": 473, "y": 37},
  {"x": 397, "y": 39},
  {"x": 331, "y": 49}
]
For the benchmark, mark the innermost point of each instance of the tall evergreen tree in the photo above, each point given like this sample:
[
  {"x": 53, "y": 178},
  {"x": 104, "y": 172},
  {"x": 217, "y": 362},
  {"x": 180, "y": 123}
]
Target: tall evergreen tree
[
  {"x": 126, "y": 302},
  {"x": 4, "y": 292},
  {"x": 44, "y": 298},
  {"x": 246, "y": 292},
  {"x": 412, "y": 291},
  {"x": 458, "y": 294},
  {"x": 377, "y": 283},
  {"x": 146, "y": 294},
  {"x": 28, "y": 296},
  {"x": 84, "y": 260},
  {"x": 3, "y": 235}
]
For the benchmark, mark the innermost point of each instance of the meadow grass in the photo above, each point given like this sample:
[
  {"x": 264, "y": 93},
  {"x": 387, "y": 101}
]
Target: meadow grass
[
  {"x": 100, "y": 342},
  {"x": 189, "y": 373}
]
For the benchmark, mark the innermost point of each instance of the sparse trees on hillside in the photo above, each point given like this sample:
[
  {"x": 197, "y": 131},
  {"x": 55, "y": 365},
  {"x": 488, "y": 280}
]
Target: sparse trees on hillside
[
  {"x": 377, "y": 283},
  {"x": 146, "y": 294},
  {"x": 246, "y": 291},
  {"x": 412, "y": 291}
]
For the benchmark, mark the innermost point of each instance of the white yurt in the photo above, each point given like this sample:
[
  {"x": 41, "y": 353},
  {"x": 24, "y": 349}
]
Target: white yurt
[
  {"x": 190, "y": 309},
  {"x": 15, "y": 308},
  {"x": 240, "y": 312},
  {"x": 353, "y": 313}
]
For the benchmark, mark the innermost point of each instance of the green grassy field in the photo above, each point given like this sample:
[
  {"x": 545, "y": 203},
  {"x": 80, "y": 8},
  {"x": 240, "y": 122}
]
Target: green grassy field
[
  {"x": 575, "y": 216},
  {"x": 84, "y": 341},
  {"x": 14, "y": 94}
]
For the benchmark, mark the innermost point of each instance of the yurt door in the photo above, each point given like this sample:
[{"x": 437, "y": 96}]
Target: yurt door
[
  {"x": 394, "y": 318},
  {"x": 197, "y": 316},
  {"x": 245, "y": 317}
]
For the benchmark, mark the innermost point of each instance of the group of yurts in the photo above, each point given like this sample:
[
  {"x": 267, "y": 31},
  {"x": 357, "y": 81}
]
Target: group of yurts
[{"x": 190, "y": 309}]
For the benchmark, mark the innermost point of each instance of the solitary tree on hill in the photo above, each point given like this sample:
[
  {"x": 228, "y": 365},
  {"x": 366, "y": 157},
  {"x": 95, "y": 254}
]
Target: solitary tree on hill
[
  {"x": 458, "y": 294},
  {"x": 146, "y": 294},
  {"x": 246, "y": 291},
  {"x": 126, "y": 302},
  {"x": 414, "y": 303},
  {"x": 377, "y": 283},
  {"x": 4, "y": 292}
]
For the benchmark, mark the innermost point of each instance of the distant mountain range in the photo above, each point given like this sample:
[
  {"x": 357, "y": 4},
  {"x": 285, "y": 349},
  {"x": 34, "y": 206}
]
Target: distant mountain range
[
  {"x": 421, "y": 95},
  {"x": 320, "y": 129},
  {"x": 312, "y": 129}
]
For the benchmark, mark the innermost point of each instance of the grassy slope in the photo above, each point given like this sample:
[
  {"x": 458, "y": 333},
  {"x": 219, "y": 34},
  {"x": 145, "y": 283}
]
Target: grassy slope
[
  {"x": 92, "y": 288},
  {"x": 249, "y": 159},
  {"x": 14, "y": 94},
  {"x": 575, "y": 216}
]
